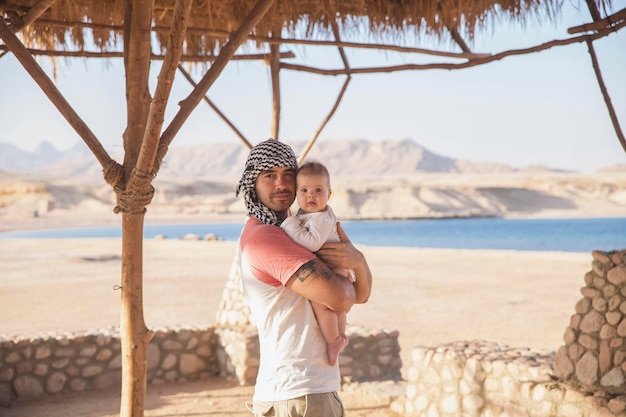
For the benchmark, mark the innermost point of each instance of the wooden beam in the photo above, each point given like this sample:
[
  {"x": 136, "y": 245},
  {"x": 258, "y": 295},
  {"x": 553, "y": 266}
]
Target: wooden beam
[
  {"x": 605, "y": 95},
  {"x": 274, "y": 63},
  {"x": 35, "y": 12},
  {"x": 153, "y": 57},
  {"x": 607, "y": 23},
  {"x": 284, "y": 41},
  {"x": 165, "y": 81},
  {"x": 376, "y": 46},
  {"x": 452, "y": 66},
  {"x": 456, "y": 36},
  {"x": 340, "y": 48},
  {"x": 593, "y": 10},
  {"x": 216, "y": 109},
  {"x": 330, "y": 114},
  {"x": 311, "y": 142},
  {"x": 226, "y": 53},
  {"x": 53, "y": 94}
]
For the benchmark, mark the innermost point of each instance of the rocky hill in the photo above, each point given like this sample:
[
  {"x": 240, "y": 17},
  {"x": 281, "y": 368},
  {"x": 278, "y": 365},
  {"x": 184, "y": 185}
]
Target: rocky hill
[
  {"x": 371, "y": 180},
  {"x": 357, "y": 157}
]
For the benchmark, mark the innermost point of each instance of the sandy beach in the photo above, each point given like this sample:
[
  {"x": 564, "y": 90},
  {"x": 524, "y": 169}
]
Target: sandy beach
[{"x": 431, "y": 296}]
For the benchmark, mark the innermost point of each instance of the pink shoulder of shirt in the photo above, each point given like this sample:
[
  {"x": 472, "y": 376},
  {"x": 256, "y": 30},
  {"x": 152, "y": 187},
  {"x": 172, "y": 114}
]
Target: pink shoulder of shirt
[{"x": 272, "y": 256}]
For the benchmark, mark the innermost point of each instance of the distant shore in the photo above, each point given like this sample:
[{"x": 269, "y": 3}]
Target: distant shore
[
  {"x": 42, "y": 202},
  {"x": 65, "y": 219}
]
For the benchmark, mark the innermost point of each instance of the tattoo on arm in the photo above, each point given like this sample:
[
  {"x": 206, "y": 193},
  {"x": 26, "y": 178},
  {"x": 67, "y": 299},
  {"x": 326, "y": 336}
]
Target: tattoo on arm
[{"x": 311, "y": 268}]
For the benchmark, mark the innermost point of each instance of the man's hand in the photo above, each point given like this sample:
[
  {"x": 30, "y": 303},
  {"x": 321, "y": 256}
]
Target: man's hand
[
  {"x": 344, "y": 255},
  {"x": 316, "y": 280},
  {"x": 340, "y": 254}
]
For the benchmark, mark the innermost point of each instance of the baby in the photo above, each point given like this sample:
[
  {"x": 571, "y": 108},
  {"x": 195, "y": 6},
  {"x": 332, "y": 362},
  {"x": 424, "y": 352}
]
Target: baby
[{"x": 313, "y": 225}]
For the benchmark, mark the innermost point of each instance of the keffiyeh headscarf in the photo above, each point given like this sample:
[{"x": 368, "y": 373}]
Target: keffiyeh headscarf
[{"x": 266, "y": 155}]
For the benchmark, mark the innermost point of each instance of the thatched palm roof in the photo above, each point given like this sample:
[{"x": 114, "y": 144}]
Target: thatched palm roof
[
  {"x": 95, "y": 28},
  {"x": 61, "y": 26},
  {"x": 219, "y": 30},
  {"x": 208, "y": 30}
]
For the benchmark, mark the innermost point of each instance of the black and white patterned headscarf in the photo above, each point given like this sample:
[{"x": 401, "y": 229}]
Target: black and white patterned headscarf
[{"x": 266, "y": 155}]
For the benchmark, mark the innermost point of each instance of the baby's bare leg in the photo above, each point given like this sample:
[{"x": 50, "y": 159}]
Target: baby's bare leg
[{"x": 333, "y": 327}]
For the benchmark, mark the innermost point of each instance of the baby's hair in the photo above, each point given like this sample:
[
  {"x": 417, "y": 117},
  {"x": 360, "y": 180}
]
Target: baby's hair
[{"x": 314, "y": 168}]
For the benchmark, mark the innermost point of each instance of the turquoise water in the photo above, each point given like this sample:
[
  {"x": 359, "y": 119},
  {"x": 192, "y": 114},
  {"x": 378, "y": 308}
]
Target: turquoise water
[{"x": 568, "y": 235}]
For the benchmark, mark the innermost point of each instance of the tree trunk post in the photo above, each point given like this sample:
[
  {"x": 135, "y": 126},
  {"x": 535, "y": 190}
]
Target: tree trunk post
[{"x": 134, "y": 333}]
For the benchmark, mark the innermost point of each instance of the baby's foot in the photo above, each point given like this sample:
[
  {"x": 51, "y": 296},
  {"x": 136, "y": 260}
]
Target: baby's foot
[{"x": 334, "y": 349}]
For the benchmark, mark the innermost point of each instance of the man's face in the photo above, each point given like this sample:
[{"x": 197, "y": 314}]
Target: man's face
[{"x": 276, "y": 188}]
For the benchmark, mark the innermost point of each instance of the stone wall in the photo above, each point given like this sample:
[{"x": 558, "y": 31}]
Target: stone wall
[
  {"x": 485, "y": 379},
  {"x": 594, "y": 354},
  {"x": 77, "y": 362},
  {"x": 585, "y": 378},
  {"x": 371, "y": 355}
]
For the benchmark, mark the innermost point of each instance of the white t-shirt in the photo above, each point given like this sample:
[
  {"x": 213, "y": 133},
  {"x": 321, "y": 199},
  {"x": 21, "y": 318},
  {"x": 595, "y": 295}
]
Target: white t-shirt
[
  {"x": 312, "y": 230},
  {"x": 293, "y": 350}
]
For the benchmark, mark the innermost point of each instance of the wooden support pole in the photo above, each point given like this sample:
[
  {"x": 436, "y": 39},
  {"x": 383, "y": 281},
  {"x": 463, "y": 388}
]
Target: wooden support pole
[
  {"x": 324, "y": 122},
  {"x": 226, "y": 53},
  {"x": 53, "y": 94},
  {"x": 150, "y": 142},
  {"x": 137, "y": 21},
  {"x": 274, "y": 62},
  {"x": 607, "y": 98},
  {"x": 322, "y": 125},
  {"x": 134, "y": 334}
]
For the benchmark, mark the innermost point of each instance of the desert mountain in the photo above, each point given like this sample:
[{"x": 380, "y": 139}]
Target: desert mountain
[
  {"x": 350, "y": 158},
  {"x": 371, "y": 180}
]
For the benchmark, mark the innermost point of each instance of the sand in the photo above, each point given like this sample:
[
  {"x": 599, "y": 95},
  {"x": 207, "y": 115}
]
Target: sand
[{"x": 431, "y": 296}]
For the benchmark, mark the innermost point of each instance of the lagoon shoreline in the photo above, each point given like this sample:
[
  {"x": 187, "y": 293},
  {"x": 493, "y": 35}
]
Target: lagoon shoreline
[
  {"x": 431, "y": 296},
  {"x": 64, "y": 219}
]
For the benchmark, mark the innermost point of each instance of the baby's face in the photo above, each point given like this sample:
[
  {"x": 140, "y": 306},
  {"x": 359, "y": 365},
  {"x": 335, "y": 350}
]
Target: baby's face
[{"x": 313, "y": 192}]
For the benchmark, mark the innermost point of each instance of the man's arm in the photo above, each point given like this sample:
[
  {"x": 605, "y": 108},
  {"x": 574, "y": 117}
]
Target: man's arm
[
  {"x": 344, "y": 255},
  {"x": 316, "y": 281}
]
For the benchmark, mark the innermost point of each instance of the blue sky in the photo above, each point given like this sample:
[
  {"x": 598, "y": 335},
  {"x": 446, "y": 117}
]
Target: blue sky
[{"x": 542, "y": 108}]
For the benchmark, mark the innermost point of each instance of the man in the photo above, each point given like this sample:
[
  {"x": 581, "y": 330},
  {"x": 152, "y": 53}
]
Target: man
[{"x": 279, "y": 278}]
